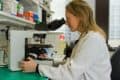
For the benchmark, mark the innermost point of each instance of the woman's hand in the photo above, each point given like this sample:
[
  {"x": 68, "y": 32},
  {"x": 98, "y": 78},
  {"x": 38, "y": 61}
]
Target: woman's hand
[{"x": 28, "y": 66}]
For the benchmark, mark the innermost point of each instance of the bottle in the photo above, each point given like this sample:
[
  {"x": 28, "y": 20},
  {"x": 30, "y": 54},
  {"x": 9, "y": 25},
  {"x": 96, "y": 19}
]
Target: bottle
[
  {"x": 20, "y": 9},
  {"x": 36, "y": 18},
  {"x": 8, "y": 6},
  {"x": 14, "y": 7}
]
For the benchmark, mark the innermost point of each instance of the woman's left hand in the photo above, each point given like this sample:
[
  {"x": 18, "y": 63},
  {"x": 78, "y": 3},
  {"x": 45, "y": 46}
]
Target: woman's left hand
[{"x": 28, "y": 66}]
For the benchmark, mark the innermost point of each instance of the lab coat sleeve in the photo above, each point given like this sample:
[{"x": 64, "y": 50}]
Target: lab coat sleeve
[
  {"x": 63, "y": 72},
  {"x": 85, "y": 56}
]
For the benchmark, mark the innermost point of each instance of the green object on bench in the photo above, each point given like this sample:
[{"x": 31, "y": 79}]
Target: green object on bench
[{"x": 6, "y": 74}]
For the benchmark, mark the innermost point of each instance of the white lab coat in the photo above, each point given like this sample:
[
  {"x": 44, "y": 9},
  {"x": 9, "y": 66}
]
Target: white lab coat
[{"x": 90, "y": 60}]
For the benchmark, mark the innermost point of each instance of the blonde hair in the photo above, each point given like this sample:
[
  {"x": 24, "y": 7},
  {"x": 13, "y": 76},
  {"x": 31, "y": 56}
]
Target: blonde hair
[{"x": 81, "y": 9}]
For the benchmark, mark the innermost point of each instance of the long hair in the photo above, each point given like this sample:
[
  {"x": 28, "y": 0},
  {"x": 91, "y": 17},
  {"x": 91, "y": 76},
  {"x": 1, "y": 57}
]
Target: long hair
[{"x": 82, "y": 10}]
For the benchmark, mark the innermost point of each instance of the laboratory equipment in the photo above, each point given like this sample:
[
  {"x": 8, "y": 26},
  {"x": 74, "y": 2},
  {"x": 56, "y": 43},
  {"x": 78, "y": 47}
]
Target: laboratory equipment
[{"x": 27, "y": 43}]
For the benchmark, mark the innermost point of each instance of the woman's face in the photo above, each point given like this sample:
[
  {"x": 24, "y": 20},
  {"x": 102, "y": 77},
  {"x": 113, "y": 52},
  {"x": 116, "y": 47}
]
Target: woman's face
[{"x": 72, "y": 21}]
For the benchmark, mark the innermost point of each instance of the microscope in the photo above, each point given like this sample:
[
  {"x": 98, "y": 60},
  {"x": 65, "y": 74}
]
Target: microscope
[{"x": 45, "y": 47}]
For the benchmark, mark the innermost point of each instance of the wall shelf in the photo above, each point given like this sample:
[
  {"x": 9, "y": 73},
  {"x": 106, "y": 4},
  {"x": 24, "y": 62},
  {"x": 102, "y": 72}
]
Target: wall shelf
[{"x": 11, "y": 20}]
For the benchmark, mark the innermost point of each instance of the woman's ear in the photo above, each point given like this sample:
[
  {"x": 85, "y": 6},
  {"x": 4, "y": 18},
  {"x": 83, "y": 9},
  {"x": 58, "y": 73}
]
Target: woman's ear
[{"x": 66, "y": 23}]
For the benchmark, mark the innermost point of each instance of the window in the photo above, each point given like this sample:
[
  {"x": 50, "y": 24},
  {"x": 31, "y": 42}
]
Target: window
[{"x": 114, "y": 23}]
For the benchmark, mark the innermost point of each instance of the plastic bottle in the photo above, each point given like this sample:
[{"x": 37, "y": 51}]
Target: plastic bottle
[
  {"x": 7, "y": 6},
  {"x": 28, "y": 15},
  {"x": 20, "y": 9},
  {"x": 14, "y": 7},
  {"x": 36, "y": 18}
]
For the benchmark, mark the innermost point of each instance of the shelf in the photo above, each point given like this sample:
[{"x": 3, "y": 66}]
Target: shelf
[{"x": 11, "y": 20}]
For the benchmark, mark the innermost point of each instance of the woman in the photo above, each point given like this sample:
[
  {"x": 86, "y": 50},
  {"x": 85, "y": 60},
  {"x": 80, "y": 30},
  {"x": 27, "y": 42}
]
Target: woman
[{"x": 90, "y": 58}]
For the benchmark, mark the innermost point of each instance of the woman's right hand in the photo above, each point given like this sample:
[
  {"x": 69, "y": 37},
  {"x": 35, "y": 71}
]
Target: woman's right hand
[{"x": 28, "y": 66}]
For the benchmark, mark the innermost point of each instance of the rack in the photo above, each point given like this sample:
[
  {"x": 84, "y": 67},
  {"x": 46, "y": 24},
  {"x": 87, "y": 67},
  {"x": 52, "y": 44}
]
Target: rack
[
  {"x": 29, "y": 5},
  {"x": 11, "y": 20}
]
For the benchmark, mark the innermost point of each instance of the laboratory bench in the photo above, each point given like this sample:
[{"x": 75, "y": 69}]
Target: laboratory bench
[{"x": 6, "y": 74}]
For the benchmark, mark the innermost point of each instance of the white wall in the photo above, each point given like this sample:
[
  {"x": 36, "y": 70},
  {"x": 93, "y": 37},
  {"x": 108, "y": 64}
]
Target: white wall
[
  {"x": 58, "y": 6},
  {"x": 92, "y": 3}
]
